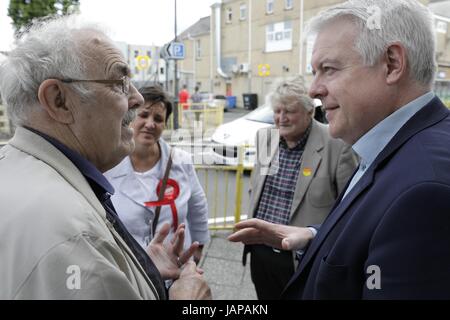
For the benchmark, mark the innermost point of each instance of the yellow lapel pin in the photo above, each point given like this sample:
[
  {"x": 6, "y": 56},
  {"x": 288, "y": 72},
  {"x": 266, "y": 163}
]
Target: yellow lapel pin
[{"x": 307, "y": 172}]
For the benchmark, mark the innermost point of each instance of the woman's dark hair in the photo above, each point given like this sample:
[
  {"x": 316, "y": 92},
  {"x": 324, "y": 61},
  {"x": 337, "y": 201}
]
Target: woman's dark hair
[{"x": 155, "y": 94}]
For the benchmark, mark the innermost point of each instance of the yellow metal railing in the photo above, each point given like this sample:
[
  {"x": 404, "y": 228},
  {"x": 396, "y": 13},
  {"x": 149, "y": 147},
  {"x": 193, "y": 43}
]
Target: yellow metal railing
[
  {"x": 221, "y": 197},
  {"x": 192, "y": 115}
]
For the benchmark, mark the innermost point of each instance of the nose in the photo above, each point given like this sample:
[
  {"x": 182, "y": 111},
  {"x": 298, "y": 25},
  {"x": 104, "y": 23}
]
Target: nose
[
  {"x": 283, "y": 116},
  {"x": 135, "y": 99},
  {"x": 149, "y": 123},
  {"x": 317, "y": 90}
]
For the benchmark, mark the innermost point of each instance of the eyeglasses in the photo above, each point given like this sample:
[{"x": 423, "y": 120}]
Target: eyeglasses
[{"x": 124, "y": 81}]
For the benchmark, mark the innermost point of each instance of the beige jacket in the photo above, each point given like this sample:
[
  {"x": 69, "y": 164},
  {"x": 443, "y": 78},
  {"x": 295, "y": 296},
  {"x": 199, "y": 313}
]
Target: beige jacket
[
  {"x": 55, "y": 240},
  {"x": 326, "y": 166}
]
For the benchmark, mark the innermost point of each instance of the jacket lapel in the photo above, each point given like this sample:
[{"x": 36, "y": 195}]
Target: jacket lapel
[
  {"x": 310, "y": 161},
  {"x": 432, "y": 113},
  {"x": 337, "y": 212},
  {"x": 264, "y": 141}
]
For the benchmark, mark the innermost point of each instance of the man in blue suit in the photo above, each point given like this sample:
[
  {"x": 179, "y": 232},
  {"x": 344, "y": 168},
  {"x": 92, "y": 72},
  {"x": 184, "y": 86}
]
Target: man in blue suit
[{"x": 388, "y": 235}]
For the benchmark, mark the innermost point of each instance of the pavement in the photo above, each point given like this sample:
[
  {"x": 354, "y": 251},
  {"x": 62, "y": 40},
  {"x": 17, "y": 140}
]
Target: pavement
[
  {"x": 224, "y": 272},
  {"x": 222, "y": 259}
]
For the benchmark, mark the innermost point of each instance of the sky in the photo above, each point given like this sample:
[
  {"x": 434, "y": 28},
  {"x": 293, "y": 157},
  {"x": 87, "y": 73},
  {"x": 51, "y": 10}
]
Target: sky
[{"x": 142, "y": 22}]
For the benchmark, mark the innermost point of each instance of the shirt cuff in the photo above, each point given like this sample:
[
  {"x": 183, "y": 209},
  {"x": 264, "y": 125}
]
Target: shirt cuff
[
  {"x": 299, "y": 253},
  {"x": 313, "y": 230}
]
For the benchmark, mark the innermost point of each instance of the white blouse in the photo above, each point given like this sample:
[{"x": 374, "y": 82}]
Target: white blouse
[{"x": 132, "y": 189}]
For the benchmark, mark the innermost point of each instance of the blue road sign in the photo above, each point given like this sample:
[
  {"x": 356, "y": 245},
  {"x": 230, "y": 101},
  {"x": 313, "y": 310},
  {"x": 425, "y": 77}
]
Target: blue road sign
[{"x": 175, "y": 50}]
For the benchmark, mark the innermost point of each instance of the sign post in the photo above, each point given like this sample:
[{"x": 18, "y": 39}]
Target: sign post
[{"x": 174, "y": 51}]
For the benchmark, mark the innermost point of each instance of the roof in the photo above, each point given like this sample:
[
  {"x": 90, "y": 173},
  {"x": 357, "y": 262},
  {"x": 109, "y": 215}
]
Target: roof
[
  {"x": 201, "y": 27},
  {"x": 440, "y": 7}
]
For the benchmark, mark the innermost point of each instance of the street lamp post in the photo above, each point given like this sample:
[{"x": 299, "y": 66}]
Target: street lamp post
[{"x": 175, "y": 79}]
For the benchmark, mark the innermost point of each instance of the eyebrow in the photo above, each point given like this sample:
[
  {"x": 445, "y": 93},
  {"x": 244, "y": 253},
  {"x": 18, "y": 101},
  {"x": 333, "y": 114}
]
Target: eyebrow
[
  {"x": 121, "y": 70},
  {"x": 326, "y": 60}
]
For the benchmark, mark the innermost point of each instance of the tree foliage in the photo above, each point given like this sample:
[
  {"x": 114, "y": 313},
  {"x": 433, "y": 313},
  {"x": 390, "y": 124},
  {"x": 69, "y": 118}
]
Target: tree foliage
[{"x": 23, "y": 12}]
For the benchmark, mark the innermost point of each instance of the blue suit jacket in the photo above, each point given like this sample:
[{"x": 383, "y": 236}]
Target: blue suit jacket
[{"x": 396, "y": 219}]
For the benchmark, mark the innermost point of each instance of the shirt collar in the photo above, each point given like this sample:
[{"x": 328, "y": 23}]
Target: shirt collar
[
  {"x": 96, "y": 179},
  {"x": 300, "y": 145},
  {"x": 375, "y": 140}
]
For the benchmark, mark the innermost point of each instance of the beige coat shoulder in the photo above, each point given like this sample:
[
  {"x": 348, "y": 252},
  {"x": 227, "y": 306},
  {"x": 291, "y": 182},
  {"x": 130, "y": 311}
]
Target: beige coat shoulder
[{"x": 59, "y": 243}]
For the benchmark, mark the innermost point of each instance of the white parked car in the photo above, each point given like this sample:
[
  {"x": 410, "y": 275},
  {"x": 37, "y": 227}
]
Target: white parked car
[{"x": 242, "y": 132}]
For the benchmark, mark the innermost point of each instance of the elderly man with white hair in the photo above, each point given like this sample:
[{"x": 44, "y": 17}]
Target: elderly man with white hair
[
  {"x": 67, "y": 89},
  {"x": 388, "y": 234}
]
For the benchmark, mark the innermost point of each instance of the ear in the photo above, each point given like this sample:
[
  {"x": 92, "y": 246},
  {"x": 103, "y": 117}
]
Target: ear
[
  {"x": 395, "y": 62},
  {"x": 51, "y": 95}
]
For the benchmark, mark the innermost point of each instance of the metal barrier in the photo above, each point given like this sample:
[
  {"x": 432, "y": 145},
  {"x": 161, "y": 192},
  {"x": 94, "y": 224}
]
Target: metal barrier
[
  {"x": 191, "y": 115},
  {"x": 225, "y": 201}
]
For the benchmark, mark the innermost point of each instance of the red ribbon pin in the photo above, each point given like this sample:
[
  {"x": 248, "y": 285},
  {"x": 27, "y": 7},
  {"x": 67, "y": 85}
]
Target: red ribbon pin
[{"x": 170, "y": 195}]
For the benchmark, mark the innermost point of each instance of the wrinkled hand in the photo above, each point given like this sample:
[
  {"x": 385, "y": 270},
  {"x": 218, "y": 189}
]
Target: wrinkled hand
[
  {"x": 190, "y": 285},
  {"x": 169, "y": 257},
  {"x": 257, "y": 231}
]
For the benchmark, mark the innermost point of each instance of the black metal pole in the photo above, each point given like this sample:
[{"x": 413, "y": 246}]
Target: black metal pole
[
  {"x": 166, "y": 84},
  {"x": 175, "y": 78}
]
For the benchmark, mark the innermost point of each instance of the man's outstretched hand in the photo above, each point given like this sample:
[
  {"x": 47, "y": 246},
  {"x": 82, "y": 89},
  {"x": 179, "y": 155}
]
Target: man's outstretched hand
[
  {"x": 257, "y": 231},
  {"x": 169, "y": 257}
]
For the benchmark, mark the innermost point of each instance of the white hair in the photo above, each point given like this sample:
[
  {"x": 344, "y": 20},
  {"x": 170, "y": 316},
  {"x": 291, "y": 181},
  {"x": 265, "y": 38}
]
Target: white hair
[
  {"x": 47, "y": 49},
  {"x": 382, "y": 22},
  {"x": 291, "y": 89}
]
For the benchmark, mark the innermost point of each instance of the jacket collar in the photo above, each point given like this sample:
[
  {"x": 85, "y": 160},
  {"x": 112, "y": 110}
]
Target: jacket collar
[
  {"x": 43, "y": 150},
  {"x": 96, "y": 179}
]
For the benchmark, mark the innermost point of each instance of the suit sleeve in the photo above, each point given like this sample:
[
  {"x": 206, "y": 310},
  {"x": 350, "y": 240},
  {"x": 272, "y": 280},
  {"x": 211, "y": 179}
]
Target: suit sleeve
[{"x": 411, "y": 247}]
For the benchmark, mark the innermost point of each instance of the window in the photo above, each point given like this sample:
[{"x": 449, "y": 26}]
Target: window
[
  {"x": 269, "y": 6},
  {"x": 279, "y": 36},
  {"x": 441, "y": 26},
  {"x": 1, "y": 113},
  {"x": 243, "y": 11},
  {"x": 288, "y": 4},
  {"x": 198, "y": 49},
  {"x": 229, "y": 17}
]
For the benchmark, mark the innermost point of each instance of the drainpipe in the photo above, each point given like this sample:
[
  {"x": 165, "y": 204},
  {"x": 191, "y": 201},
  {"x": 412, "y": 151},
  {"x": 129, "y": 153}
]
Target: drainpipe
[
  {"x": 300, "y": 42},
  {"x": 194, "y": 67},
  {"x": 217, "y": 6},
  {"x": 249, "y": 58},
  {"x": 211, "y": 60}
]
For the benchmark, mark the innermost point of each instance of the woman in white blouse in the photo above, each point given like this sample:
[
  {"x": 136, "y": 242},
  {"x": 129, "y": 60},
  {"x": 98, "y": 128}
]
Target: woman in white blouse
[{"x": 136, "y": 179}]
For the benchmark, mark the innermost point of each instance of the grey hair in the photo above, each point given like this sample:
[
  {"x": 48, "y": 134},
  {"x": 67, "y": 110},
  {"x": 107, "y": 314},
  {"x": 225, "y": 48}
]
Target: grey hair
[
  {"x": 382, "y": 22},
  {"x": 47, "y": 49},
  {"x": 291, "y": 89}
]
